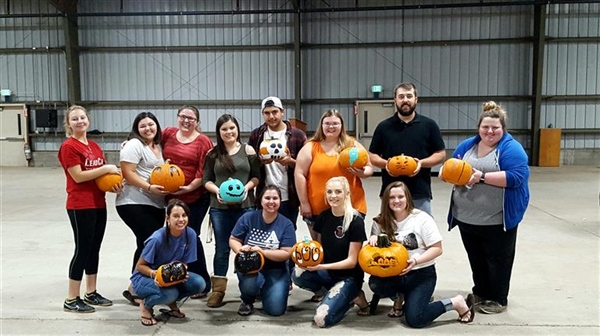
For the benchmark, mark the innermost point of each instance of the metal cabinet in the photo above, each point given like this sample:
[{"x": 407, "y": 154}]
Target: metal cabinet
[{"x": 14, "y": 138}]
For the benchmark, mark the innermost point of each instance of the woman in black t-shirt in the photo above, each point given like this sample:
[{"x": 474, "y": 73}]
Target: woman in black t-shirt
[{"x": 339, "y": 278}]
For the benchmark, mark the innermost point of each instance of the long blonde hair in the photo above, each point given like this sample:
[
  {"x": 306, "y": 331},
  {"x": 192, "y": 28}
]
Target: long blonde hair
[
  {"x": 349, "y": 211},
  {"x": 344, "y": 139},
  {"x": 68, "y": 130}
]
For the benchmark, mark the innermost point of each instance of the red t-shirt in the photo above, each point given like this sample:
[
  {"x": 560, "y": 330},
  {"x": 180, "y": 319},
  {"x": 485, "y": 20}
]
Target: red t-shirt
[
  {"x": 84, "y": 195},
  {"x": 189, "y": 157}
]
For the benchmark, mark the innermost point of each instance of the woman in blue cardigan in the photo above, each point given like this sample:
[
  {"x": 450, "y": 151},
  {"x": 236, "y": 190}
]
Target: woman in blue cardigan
[{"x": 489, "y": 208}]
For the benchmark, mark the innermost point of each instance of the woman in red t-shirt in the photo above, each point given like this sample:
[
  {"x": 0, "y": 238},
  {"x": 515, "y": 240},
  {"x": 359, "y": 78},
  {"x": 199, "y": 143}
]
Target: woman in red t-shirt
[
  {"x": 187, "y": 147},
  {"x": 83, "y": 161}
]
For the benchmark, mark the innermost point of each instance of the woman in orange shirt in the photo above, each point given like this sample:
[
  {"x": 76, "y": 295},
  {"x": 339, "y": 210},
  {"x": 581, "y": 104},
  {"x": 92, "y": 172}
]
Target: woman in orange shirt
[{"x": 317, "y": 162}]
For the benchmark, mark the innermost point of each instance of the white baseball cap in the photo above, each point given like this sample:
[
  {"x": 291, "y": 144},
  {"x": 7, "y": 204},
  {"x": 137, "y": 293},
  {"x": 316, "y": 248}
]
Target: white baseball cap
[{"x": 271, "y": 101}]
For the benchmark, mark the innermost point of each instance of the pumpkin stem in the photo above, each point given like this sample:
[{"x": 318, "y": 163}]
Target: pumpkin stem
[
  {"x": 383, "y": 241},
  {"x": 306, "y": 240}
]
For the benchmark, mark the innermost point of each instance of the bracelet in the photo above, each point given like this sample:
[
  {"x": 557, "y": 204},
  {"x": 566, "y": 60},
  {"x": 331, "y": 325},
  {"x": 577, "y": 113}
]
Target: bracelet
[
  {"x": 152, "y": 274},
  {"x": 149, "y": 186},
  {"x": 416, "y": 263}
]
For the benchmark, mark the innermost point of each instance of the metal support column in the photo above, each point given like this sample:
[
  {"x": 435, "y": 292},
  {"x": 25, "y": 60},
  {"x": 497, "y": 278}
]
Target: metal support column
[
  {"x": 72, "y": 58},
  {"x": 539, "y": 36},
  {"x": 297, "y": 62}
]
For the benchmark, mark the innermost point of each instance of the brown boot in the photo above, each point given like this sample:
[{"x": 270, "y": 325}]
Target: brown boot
[{"x": 219, "y": 285}]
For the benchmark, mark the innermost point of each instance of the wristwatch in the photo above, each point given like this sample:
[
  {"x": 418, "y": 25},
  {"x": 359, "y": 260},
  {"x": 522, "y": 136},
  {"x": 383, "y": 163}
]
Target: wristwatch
[{"x": 482, "y": 178}]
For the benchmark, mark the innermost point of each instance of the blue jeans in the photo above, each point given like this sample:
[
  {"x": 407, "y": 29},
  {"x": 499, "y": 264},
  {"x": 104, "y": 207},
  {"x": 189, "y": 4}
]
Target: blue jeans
[
  {"x": 223, "y": 221},
  {"x": 154, "y": 295},
  {"x": 273, "y": 285},
  {"x": 423, "y": 204},
  {"x": 417, "y": 287},
  {"x": 339, "y": 293},
  {"x": 198, "y": 210},
  {"x": 289, "y": 212}
]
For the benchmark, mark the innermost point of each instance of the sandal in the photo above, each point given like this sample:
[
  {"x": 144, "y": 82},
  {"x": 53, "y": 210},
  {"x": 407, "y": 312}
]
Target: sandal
[
  {"x": 198, "y": 296},
  {"x": 133, "y": 299},
  {"x": 395, "y": 312},
  {"x": 148, "y": 321},
  {"x": 316, "y": 298},
  {"x": 176, "y": 313},
  {"x": 471, "y": 304},
  {"x": 363, "y": 310}
]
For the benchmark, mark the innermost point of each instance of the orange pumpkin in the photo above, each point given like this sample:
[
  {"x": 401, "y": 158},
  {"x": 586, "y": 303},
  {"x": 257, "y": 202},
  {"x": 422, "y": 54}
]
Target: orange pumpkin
[
  {"x": 456, "y": 171},
  {"x": 353, "y": 157},
  {"x": 307, "y": 253},
  {"x": 384, "y": 260},
  {"x": 168, "y": 175},
  {"x": 401, "y": 165},
  {"x": 107, "y": 181}
]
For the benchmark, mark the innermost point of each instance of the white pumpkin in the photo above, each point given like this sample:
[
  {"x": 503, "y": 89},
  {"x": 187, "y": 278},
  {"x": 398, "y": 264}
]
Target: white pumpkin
[{"x": 273, "y": 149}]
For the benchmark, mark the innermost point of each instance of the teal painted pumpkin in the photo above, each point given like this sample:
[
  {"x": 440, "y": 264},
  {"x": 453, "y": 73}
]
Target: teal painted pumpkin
[{"x": 232, "y": 191}]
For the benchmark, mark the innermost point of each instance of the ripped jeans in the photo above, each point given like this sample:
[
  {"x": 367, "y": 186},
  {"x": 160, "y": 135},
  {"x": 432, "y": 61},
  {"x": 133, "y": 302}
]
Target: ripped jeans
[{"x": 338, "y": 294}]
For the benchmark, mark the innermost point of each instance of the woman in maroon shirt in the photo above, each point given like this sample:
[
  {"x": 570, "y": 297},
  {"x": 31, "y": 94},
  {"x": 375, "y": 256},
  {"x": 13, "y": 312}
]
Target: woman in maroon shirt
[
  {"x": 187, "y": 147},
  {"x": 83, "y": 161}
]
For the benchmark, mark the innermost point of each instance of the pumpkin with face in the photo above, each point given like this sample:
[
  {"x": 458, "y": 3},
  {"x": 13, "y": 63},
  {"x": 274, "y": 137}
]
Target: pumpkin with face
[
  {"x": 456, "y": 171},
  {"x": 232, "y": 191},
  {"x": 273, "y": 149},
  {"x": 353, "y": 157},
  {"x": 307, "y": 253},
  {"x": 168, "y": 175},
  {"x": 384, "y": 260},
  {"x": 401, "y": 165},
  {"x": 108, "y": 181},
  {"x": 249, "y": 262}
]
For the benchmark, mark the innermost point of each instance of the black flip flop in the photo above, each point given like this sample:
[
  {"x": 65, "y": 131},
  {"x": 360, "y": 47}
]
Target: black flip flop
[
  {"x": 172, "y": 313},
  {"x": 131, "y": 298},
  {"x": 471, "y": 304}
]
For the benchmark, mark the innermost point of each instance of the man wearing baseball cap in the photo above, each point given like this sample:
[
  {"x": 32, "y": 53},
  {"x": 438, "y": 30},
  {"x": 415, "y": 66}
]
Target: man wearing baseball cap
[{"x": 279, "y": 171}]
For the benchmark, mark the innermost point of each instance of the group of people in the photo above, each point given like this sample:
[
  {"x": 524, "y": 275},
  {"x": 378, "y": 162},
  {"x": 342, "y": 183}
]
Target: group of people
[{"x": 306, "y": 181}]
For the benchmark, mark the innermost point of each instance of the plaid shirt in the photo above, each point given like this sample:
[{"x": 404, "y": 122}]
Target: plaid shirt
[{"x": 295, "y": 140}]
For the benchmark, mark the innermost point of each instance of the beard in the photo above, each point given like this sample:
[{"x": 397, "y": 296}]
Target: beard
[{"x": 405, "y": 113}]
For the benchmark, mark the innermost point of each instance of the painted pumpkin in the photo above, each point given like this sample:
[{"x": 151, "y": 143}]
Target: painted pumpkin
[
  {"x": 249, "y": 262},
  {"x": 401, "y": 165},
  {"x": 168, "y": 175},
  {"x": 456, "y": 171},
  {"x": 384, "y": 260},
  {"x": 307, "y": 253},
  {"x": 107, "y": 181},
  {"x": 171, "y": 274},
  {"x": 273, "y": 149},
  {"x": 353, "y": 157},
  {"x": 232, "y": 191}
]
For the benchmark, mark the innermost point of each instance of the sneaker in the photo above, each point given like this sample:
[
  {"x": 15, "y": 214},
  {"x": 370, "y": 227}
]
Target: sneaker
[
  {"x": 94, "y": 298},
  {"x": 245, "y": 309},
  {"x": 491, "y": 307},
  {"x": 77, "y": 306}
]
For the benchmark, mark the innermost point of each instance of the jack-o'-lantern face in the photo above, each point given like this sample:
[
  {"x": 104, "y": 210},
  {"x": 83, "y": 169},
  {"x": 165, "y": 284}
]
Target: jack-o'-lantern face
[
  {"x": 307, "y": 253},
  {"x": 232, "y": 191},
  {"x": 401, "y": 165},
  {"x": 273, "y": 149},
  {"x": 384, "y": 260}
]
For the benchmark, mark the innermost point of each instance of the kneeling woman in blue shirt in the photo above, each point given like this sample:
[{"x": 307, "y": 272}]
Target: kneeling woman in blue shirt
[
  {"x": 174, "y": 242},
  {"x": 273, "y": 235}
]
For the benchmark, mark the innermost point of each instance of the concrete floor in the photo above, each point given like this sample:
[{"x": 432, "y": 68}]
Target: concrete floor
[{"x": 554, "y": 291}]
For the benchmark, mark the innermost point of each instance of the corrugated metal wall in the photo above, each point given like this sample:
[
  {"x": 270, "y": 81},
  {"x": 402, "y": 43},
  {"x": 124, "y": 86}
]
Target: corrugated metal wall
[
  {"x": 573, "y": 68},
  {"x": 498, "y": 65}
]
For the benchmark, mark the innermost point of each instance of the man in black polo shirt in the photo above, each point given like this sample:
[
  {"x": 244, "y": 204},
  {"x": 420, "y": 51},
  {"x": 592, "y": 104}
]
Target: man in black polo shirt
[{"x": 412, "y": 134}]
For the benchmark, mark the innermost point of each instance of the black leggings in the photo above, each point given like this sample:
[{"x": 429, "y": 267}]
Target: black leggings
[
  {"x": 88, "y": 230},
  {"x": 143, "y": 220}
]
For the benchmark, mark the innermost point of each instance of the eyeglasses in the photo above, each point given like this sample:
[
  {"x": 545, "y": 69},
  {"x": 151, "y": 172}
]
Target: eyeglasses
[
  {"x": 184, "y": 118},
  {"x": 333, "y": 124}
]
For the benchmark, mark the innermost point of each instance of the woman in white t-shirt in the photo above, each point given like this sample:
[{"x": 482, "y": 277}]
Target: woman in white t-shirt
[{"x": 412, "y": 289}]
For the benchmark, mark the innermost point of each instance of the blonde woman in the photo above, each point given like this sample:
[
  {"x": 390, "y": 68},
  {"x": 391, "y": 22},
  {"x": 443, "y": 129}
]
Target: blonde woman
[
  {"x": 341, "y": 231},
  {"x": 83, "y": 161}
]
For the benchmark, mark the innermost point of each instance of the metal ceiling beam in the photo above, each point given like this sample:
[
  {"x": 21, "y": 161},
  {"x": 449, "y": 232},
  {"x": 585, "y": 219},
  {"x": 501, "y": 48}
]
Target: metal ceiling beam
[
  {"x": 68, "y": 4},
  {"x": 65, "y": 6}
]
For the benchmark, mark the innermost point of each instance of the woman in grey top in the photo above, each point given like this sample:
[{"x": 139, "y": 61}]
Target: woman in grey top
[
  {"x": 141, "y": 205},
  {"x": 228, "y": 159}
]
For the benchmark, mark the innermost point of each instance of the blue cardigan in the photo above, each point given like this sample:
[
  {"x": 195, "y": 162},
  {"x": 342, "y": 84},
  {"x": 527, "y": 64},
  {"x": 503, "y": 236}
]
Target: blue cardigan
[{"x": 513, "y": 160}]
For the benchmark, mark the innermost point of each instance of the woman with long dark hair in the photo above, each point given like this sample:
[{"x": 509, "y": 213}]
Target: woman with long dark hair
[{"x": 228, "y": 159}]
